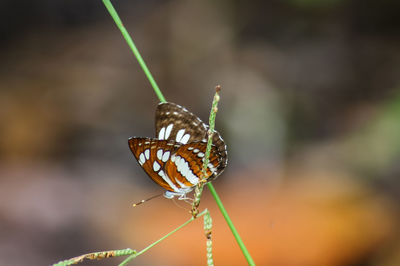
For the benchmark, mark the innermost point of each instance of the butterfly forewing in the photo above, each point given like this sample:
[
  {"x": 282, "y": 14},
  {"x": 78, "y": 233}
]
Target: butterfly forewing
[
  {"x": 152, "y": 154},
  {"x": 176, "y": 123}
]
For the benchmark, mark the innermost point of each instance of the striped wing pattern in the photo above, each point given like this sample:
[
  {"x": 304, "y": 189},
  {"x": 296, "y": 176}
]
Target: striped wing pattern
[
  {"x": 174, "y": 160},
  {"x": 176, "y": 123},
  {"x": 152, "y": 155}
]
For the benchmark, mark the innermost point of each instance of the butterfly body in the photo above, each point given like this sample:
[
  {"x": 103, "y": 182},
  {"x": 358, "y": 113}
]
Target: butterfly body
[{"x": 174, "y": 160}]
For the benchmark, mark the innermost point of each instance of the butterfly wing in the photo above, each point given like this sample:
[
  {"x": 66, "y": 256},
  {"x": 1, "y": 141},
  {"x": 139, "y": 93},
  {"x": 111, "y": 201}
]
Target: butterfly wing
[
  {"x": 175, "y": 160},
  {"x": 174, "y": 166},
  {"x": 152, "y": 155},
  {"x": 176, "y": 123},
  {"x": 186, "y": 163}
]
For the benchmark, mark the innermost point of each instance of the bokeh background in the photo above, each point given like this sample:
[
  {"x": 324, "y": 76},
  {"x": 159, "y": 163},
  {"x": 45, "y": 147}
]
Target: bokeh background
[{"x": 310, "y": 111}]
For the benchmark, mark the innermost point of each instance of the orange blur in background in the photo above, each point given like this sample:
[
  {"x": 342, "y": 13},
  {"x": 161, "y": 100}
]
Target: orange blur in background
[{"x": 310, "y": 111}]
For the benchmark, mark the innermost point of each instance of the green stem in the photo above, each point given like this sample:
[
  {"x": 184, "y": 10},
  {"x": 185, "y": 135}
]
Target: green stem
[
  {"x": 230, "y": 224},
  {"x": 199, "y": 187},
  {"x": 135, "y": 51},
  {"x": 160, "y": 96},
  {"x": 159, "y": 240}
]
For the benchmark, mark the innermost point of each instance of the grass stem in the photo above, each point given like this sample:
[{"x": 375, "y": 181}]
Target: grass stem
[
  {"x": 160, "y": 96},
  {"x": 135, "y": 51}
]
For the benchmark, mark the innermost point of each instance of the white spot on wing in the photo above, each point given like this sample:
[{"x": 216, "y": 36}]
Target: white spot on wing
[
  {"x": 211, "y": 167},
  {"x": 196, "y": 150},
  {"x": 190, "y": 148},
  {"x": 142, "y": 159},
  {"x": 185, "y": 138},
  {"x": 147, "y": 154},
  {"x": 200, "y": 154},
  {"x": 159, "y": 154},
  {"x": 179, "y": 135},
  {"x": 165, "y": 156},
  {"x": 161, "y": 134},
  {"x": 156, "y": 166},
  {"x": 168, "y": 130},
  {"x": 183, "y": 167}
]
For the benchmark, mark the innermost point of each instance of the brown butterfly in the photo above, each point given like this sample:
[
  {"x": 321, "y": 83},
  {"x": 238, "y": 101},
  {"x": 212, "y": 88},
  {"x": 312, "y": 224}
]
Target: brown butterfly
[{"x": 174, "y": 160}]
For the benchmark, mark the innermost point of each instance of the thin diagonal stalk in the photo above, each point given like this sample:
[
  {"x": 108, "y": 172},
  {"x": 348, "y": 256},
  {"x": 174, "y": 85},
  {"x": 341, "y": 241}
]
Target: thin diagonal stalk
[
  {"x": 131, "y": 44},
  {"x": 122, "y": 252},
  {"x": 199, "y": 187},
  {"x": 159, "y": 240},
  {"x": 135, "y": 51},
  {"x": 231, "y": 226}
]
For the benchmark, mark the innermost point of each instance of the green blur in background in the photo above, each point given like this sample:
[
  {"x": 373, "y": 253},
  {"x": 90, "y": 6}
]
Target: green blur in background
[{"x": 309, "y": 110}]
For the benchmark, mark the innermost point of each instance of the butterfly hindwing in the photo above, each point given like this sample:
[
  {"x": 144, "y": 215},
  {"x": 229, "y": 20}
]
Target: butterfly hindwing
[
  {"x": 186, "y": 164},
  {"x": 194, "y": 153}
]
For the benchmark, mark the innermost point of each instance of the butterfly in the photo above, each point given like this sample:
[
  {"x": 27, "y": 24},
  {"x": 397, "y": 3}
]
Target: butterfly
[{"x": 174, "y": 159}]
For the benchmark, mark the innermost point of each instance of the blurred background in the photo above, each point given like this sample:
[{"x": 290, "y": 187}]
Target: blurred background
[{"x": 310, "y": 111}]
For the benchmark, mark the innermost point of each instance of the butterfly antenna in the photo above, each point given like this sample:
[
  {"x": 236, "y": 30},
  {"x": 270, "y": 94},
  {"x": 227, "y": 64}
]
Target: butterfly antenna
[{"x": 144, "y": 200}]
